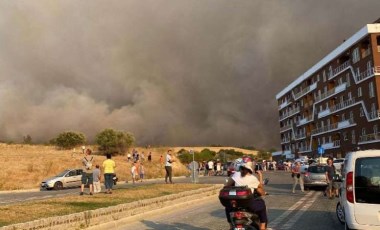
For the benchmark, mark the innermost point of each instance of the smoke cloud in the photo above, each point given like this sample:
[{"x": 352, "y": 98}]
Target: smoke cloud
[{"x": 178, "y": 72}]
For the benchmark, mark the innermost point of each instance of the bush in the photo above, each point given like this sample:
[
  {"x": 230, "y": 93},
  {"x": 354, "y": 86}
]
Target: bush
[
  {"x": 69, "y": 140},
  {"x": 113, "y": 141},
  {"x": 205, "y": 155}
]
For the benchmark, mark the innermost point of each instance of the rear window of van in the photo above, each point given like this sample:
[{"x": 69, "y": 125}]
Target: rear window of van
[
  {"x": 317, "y": 169},
  {"x": 367, "y": 180}
]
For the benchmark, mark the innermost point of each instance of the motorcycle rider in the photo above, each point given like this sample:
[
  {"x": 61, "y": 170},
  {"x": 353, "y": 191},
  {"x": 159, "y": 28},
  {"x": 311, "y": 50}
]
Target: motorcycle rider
[{"x": 246, "y": 178}]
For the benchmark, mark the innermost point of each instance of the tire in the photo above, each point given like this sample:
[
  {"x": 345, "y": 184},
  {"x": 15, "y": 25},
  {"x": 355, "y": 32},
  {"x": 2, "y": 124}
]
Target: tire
[
  {"x": 340, "y": 213},
  {"x": 58, "y": 185}
]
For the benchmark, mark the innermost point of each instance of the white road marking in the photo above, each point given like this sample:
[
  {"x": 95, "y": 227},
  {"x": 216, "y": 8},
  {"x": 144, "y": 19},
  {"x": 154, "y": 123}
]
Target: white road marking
[{"x": 283, "y": 216}]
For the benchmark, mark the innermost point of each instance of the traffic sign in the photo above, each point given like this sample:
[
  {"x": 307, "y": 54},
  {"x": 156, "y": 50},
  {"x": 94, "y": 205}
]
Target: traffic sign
[{"x": 321, "y": 150}]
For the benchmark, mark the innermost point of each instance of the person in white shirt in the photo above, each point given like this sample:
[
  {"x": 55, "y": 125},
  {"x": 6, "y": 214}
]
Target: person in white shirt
[
  {"x": 210, "y": 168},
  {"x": 245, "y": 177},
  {"x": 168, "y": 167}
]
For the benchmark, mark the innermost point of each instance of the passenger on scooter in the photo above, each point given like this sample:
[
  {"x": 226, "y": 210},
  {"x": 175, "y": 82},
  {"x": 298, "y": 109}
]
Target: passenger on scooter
[{"x": 246, "y": 178}]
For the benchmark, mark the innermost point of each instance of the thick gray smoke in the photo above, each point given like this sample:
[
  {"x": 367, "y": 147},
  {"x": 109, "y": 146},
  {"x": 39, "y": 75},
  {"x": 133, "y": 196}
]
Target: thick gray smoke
[{"x": 183, "y": 72}]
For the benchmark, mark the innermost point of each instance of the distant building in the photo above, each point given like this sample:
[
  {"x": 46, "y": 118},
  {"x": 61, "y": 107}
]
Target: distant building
[{"x": 335, "y": 104}]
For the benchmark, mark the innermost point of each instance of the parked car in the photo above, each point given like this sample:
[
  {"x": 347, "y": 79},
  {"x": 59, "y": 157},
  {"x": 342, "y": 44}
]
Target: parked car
[
  {"x": 338, "y": 164},
  {"x": 359, "y": 202},
  {"x": 315, "y": 176},
  {"x": 65, "y": 179}
]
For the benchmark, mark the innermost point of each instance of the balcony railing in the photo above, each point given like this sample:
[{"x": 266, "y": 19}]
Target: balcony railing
[
  {"x": 366, "y": 74},
  {"x": 370, "y": 137},
  {"x": 285, "y": 140},
  {"x": 331, "y": 92},
  {"x": 331, "y": 145},
  {"x": 304, "y": 149},
  {"x": 290, "y": 113},
  {"x": 284, "y": 104},
  {"x": 339, "y": 69},
  {"x": 366, "y": 52},
  {"x": 337, "y": 107},
  {"x": 306, "y": 90},
  {"x": 300, "y": 136},
  {"x": 374, "y": 115},
  {"x": 304, "y": 120},
  {"x": 284, "y": 128},
  {"x": 332, "y": 127}
]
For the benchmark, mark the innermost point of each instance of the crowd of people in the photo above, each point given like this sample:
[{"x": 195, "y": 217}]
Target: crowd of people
[{"x": 92, "y": 176}]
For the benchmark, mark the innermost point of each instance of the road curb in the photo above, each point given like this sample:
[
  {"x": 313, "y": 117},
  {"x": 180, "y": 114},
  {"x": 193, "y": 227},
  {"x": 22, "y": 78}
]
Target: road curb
[{"x": 103, "y": 215}]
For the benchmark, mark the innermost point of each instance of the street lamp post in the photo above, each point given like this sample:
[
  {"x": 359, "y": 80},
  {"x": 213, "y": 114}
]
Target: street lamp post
[{"x": 192, "y": 152}]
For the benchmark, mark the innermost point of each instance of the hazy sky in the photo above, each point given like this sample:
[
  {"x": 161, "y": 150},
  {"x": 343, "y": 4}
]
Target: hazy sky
[{"x": 180, "y": 72}]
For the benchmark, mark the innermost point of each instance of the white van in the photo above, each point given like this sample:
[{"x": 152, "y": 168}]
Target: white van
[{"x": 359, "y": 202}]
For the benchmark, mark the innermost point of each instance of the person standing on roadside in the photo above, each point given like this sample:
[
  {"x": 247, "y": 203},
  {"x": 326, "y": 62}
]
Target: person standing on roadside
[
  {"x": 332, "y": 188},
  {"x": 87, "y": 177},
  {"x": 142, "y": 172},
  {"x": 168, "y": 166},
  {"x": 96, "y": 177},
  {"x": 129, "y": 156},
  {"x": 297, "y": 176},
  {"x": 150, "y": 157},
  {"x": 109, "y": 172},
  {"x": 134, "y": 172}
]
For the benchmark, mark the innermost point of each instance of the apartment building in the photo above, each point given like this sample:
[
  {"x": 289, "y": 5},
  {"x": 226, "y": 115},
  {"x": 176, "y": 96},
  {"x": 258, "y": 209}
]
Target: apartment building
[{"x": 335, "y": 104}]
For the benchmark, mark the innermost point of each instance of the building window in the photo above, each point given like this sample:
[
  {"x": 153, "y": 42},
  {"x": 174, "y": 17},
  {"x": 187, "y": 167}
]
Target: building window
[
  {"x": 318, "y": 78},
  {"x": 360, "y": 91},
  {"x": 355, "y": 55},
  {"x": 340, "y": 81},
  {"x": 323, "y": 140},
  {"x": 330, "y": 139},
  {"x": 345, "y": 138},
  {"x": 348, "y": 79},
  {"x": 353, "y": 137},
  {"x": 324, "y": 75},
  {"x": 343, "y": 117},
  {"x": 375, "y": 129},
  {"x": 351, "y": 115},
  {"x": 330, "y": 71},
  {"x": 361, "y": 112},
  {"x": 349, "y": 95},
  {"x": 325, "y": 89},
  {"x": 371, "y": 89},
  {"x": 363, "y": 132}
]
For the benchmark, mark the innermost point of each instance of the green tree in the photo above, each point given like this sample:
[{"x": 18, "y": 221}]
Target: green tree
[
  {"x": 69, "y": 139},
  {"x": 113, "y": 141}
]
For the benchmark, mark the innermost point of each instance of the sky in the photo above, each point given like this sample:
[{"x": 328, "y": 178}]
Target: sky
[{"x": 178, "y": 73}]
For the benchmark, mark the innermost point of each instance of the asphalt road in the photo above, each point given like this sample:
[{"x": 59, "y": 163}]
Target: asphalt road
[{"x": 308, "y": 211}]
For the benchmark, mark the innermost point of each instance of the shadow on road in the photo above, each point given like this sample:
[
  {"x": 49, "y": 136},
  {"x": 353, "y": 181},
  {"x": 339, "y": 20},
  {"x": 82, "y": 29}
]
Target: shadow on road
[{"x": 174, "y": 226}]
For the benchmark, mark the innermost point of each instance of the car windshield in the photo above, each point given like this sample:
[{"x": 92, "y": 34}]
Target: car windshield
[
  {"x": 367, "y": 180},
  {"x": 62, "y": 173},
  {"x": 317, "y": 169}
]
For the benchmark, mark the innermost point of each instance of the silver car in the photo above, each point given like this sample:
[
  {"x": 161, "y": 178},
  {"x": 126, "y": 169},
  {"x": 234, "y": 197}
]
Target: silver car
[
  {"x": 315, "y": 176},
  {"x": 65, "y": 179}
]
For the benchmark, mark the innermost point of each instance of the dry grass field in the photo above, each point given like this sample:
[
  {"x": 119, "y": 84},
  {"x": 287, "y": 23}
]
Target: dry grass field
[
  {"x": 32, "y": 210},
  {"x": 25, "y": 166}
]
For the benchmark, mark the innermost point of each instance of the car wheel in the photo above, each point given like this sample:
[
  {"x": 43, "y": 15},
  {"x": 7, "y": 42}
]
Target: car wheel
[
  {"x": 58, "y": 185},
  {"x": 340, "y": 213}
]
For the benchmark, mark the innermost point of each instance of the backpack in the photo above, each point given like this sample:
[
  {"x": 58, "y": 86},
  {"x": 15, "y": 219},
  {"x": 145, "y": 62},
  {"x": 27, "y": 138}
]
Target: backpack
[{"x": 88, "y": 163}]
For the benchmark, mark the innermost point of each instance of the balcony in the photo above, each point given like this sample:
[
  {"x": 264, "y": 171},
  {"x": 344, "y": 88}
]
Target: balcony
[
  {"x": 367, "y": 74},
  {"x": 331, "y": 145},
  {"x": 305, "y": 91},
  {"x": 374, "y": 115},
  {"x": 300, "y": 136},
  {"x": 333, "y": 127},
  {"x": 285, "y": 140},
  {"x": 331, "y": 92},
  {"x": 285, "y": 128},
  {"x": 370, "y": 138},
  {"x": 290, "y": 113},
  {"x": 284, "y": 104},
  {"x": 305, "y": 120},
  {"x": 304, "y": 149},
  {"x": 339, "y": 70},
  {"x": 335, "y": 108},
  {"x": 366, "y": 52}
]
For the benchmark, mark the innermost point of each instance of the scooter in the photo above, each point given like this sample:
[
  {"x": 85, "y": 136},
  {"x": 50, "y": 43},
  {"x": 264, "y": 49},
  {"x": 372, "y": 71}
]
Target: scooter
[{"x": 238, "y": 199}]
